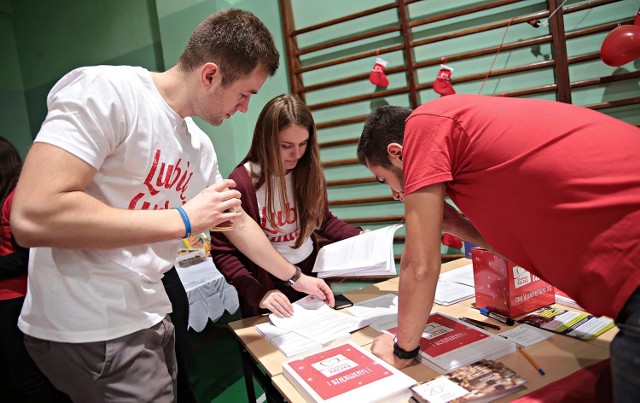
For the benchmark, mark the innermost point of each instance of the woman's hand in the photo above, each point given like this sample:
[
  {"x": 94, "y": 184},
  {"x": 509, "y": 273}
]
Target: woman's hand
[
  {"x": 315, "y": 286},
  {"x": 278, "y": 303}
]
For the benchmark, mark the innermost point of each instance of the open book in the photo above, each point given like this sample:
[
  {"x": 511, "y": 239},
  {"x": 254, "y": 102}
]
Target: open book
[{"x": 368, "y": 254}]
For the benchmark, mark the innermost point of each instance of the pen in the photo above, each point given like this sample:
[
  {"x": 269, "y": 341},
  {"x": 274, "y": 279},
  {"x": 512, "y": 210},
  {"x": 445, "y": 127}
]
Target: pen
[
  {"x": 473, "y": 322},
  {"x": 497, "y": 316},
  {"x": 528, "y": 357},
  {"x": 478, "y": 323}
]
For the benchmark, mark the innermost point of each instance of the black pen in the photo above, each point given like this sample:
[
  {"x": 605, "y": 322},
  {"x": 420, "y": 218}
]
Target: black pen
[
  {"x": 497, "y": 316},
  {"x": 467, "y": 320},
  {"x": 477, "y": 322}
]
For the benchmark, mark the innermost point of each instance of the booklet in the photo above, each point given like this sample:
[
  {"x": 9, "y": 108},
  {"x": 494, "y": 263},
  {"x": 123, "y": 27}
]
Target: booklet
[
  {"x": 347, "y": 373},
  {"x": 448, "y": 344},
  {"x": 482, "y": 381},
  {"x": 580, "y": 325},
  {"x": 367, "y": 254}
]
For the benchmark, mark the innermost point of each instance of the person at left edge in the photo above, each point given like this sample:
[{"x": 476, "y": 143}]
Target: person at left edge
[{"x": 97, "y": 198}]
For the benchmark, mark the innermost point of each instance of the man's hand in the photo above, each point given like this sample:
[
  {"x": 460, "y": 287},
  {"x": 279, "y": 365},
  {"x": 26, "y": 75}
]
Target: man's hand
[
  {"x": 214, "y": 205},
  {"x": 315, "y": 286},
  {"x": 278, "y": 303},
  {"x": 382, "y": 347}
]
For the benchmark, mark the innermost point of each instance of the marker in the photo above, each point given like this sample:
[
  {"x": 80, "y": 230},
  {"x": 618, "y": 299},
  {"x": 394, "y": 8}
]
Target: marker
[
  {"x": 473, "y": 322},
  {"x": 478, "y": 323},
  {"x": 497, "y": 316},
  {"x": 528, "y": 357}
]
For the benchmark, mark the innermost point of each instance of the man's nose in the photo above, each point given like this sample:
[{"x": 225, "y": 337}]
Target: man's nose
[{"x": 243, "y": 106}]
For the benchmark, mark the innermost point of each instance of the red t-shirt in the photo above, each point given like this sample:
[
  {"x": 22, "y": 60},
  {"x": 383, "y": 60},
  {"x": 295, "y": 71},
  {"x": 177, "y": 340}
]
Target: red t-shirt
[
  {"x": 13, "y": 287},
  {"x": 553, "y": 187}
]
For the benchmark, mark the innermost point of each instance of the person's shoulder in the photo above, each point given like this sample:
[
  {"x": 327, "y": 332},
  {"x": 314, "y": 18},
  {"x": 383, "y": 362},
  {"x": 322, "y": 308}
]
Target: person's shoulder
[
  {"x": 240, "y": 173},
  {"x": 87, "y": 80}
]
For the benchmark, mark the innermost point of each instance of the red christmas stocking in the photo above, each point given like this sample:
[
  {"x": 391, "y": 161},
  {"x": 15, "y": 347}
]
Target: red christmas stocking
[
  {"x": 442, "y": 85},
  {"x": 451, "y": 240},
  {"x": 377, "y": 76}
]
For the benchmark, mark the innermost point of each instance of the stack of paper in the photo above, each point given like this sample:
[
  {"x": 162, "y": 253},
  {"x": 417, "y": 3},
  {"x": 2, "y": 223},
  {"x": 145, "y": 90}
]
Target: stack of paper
[
  {"x": 448, "y": 344},
  {"x": 379, "y": 312},
  {"x": 347, "y": 373},
  {"x": 455, "y": 285},
  {"x": 368, "y": 254},
  {"x": 563, "y": 299},
  {"x": 580, "y": 325},
  {"x": 313, "y": 319},
  {"x": 288, "y": 342}
]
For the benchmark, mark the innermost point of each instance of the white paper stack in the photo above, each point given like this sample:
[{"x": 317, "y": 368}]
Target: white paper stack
[
  {"x": 313, "y": 319},
  {"x": 288, "y": 342},
  {"x": 379, "y": 312},
  {"x": 368, "y": 254},
  {"x": 455, "y": 285}
]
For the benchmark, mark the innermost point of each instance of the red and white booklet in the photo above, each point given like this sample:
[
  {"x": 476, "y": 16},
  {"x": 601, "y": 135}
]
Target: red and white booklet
[
  {"x": 448, "y": 344},
  {"x": 347, "y": 373}
]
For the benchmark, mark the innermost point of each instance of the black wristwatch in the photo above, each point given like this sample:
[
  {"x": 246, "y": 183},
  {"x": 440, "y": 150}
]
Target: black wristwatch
[
  {"x": 405, "y": 355},
  {"x": 294, "y": 278}
]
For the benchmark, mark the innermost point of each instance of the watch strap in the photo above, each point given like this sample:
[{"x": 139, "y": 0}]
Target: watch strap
[
  {"x": 404, "y": 354},
  {"x": 294, "y": 278}
]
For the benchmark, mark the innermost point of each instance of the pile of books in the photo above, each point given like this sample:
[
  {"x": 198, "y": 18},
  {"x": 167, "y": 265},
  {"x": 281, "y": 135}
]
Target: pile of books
[
  {"x": 482, "y": 381},
  {"x": 347, "y": 373},
  {"x": 448, "y": 344}
]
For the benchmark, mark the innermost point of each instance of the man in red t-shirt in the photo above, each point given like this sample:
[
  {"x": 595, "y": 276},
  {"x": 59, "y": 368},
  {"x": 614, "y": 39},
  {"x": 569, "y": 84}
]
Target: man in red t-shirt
[{"x": 550, "y": 186}]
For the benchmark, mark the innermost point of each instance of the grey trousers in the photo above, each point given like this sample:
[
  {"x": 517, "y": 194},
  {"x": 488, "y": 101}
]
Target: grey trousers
[{"x": 139, "y": 367}]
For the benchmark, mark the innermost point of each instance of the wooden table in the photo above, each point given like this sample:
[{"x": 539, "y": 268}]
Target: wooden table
[{"x": 559, "y": 356}]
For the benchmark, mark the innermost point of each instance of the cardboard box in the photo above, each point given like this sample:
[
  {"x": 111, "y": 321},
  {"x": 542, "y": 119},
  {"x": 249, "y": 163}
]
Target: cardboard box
[{"x": 506, "y": 288}]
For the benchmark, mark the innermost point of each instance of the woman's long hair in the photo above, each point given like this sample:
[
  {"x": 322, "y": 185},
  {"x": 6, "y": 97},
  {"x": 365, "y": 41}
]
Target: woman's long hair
[
  {"x": 10, "y": 166},
  {"x": 308, "y": 181}
]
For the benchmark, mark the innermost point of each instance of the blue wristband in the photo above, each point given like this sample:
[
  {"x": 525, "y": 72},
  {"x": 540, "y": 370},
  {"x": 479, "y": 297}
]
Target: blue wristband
[{"x": 185, "y": 220}]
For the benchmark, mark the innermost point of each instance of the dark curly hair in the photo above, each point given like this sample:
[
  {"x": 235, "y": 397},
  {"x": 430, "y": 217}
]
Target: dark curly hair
[{"x": 385, "y": 125}]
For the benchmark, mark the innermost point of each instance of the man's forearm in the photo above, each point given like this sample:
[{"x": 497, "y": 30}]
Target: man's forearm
[{"x": 249, "y": 238}]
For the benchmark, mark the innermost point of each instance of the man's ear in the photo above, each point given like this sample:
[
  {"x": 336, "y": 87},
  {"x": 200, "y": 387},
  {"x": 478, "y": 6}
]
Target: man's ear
[
  {"x": 210, "y": 75},
  {"x": 395, "y": 151}
]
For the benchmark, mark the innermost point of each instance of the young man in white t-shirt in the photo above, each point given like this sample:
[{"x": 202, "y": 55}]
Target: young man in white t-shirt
[{"x": 117, "y": 175}]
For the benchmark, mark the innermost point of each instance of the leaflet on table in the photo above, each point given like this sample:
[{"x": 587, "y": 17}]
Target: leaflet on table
[
  {"x": 525, "y": 335},
  {"x": 376, "y": 312},
  {"x": 347, "y": 373},
  {"x": 448, "y": 343},
  {"x": 580, "y": 325},
  {"x": 482, "y": 381},
  {"x": 315, "y": 320},
  {"x": 367, "y": 254}
]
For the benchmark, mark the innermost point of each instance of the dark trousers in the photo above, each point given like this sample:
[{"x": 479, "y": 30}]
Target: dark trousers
[
  {"x": 180, "y": 319},
  {"x": 625, "y": 352},
  {"x": 22, "y": 380}
]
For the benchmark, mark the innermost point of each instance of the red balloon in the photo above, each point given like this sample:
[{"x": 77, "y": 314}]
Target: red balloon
[{"x": 621, "y": 46}]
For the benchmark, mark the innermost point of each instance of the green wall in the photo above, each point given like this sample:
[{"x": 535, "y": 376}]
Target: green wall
[{"x": 41, "y": 40}]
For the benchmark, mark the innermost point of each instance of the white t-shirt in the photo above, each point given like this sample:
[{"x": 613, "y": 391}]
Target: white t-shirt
[
  {"x": 147, "y": 157},
  {"x": 283, "y": 237}
]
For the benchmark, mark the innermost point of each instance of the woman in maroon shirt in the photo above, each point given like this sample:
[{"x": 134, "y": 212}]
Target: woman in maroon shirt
[{"x": 283, "y": 189}]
